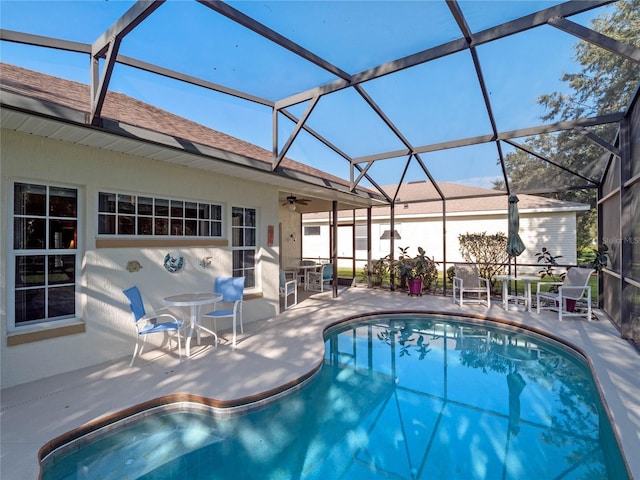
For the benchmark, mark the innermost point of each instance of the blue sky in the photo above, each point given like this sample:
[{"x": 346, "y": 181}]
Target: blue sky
[{"x": 430, "y": 103}]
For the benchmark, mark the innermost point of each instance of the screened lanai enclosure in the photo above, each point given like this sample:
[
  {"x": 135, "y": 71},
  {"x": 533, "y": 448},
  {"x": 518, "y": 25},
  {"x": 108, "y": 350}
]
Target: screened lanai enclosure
[{"x": 513, "y": 97}]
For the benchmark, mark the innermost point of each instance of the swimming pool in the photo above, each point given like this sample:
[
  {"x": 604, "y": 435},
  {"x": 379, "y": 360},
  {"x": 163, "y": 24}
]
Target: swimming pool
[{"x": 396, "y": 397}]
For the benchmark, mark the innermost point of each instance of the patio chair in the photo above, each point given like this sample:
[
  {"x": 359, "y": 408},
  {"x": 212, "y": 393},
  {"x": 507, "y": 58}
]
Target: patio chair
[
  {"x": 467, "y": 280},
  {"x": 288, "y": 288},
  {"x": 148, "y": 324},
  {"x": 319, "y": 278},
  {"x": 303, "y": 272},
  {"x": 573, "y": 290},
  {"x": 232, "y": 290}
]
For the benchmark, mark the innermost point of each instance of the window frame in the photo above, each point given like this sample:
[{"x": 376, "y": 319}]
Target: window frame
[
  {"x": 307, "y": 229},
  {"x": 49, "y": 252},
  {"x": 245, "y": 248},
  {"x": 172, "y": 204}
]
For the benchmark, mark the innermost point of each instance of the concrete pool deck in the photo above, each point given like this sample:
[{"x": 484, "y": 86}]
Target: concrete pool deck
[{"x": 273, "y": 353}]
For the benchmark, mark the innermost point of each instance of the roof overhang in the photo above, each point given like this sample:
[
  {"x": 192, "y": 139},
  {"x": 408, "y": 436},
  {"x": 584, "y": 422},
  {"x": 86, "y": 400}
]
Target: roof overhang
[{"x": 46, "y": 119}]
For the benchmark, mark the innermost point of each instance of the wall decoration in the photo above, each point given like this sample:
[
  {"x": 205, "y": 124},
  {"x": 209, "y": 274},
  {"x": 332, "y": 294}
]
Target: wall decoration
[
  {"x": 133, "y": 266},
  {"x": 173, "y": 262},
  {"x": 270, "y": 235},
  {"x": 205, "y": 262}
]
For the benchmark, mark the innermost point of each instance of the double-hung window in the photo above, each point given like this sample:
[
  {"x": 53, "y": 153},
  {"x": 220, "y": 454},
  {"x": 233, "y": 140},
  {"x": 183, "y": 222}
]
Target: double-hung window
[
  {"x": 43, "y": 258},
  {"x": 243, "y": 244}
]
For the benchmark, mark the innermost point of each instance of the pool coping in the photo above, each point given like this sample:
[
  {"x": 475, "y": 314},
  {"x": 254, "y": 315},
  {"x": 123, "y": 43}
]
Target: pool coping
[{"x": 277, "y": 352}]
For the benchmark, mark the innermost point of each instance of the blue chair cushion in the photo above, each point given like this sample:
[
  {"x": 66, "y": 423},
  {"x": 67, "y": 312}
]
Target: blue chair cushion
[
  {"x": 159, "y": 327},
  {"x": 135, "y": 301}
]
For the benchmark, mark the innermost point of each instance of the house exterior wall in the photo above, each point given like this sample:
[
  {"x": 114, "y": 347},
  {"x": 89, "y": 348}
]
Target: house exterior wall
[
  {"x": 102, "y": 309},
  {"x": 290, "y": 237},
  {"x": 554, "y": 230}
]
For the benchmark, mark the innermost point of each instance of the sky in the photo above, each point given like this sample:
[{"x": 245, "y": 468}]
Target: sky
[{"x": 434, "y": 102}]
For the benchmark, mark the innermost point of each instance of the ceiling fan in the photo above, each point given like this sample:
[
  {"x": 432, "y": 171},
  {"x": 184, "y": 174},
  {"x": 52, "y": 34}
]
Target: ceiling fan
[{"x": 292, "y": 200}]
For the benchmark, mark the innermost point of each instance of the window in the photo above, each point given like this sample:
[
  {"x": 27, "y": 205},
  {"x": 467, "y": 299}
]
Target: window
[
  {"x": 243, "y": 244},
  {"x": 124, "y": 214},
  {"x": 361, "y": 237},
  {"x": 312, "y": 230},
  {"x": 43, "y": 260}
]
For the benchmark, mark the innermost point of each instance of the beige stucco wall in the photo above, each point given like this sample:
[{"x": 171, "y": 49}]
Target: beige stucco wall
[
  {"x": 109, "y": 332},
  {"x": 290, "y": 236}
]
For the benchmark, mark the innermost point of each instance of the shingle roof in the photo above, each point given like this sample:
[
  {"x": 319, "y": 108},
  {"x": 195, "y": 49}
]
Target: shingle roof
[
  {"x": 125, "y": 109},
  {"x": 477, "y": 199},
  {"x": 417, "y": 199}
]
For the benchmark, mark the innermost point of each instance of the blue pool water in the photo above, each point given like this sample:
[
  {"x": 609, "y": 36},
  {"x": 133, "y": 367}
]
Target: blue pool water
[{"x": 396, "y": 398}]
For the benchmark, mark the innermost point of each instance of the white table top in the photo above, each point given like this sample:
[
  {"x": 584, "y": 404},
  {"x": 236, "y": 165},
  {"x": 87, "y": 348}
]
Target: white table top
[
  {"x": 524, "y": 278},
  {"x": 190, "y": 299}
]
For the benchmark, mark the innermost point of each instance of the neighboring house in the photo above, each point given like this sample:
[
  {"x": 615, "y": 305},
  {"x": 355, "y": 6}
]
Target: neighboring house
[
  {"x": 543, "y": 223},
  {"x": 88, "y": 211}
]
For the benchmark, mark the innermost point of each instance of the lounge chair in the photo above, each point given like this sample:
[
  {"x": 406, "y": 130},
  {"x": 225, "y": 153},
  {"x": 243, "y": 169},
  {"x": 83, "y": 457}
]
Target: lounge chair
[{"x": 573, "y": 290}]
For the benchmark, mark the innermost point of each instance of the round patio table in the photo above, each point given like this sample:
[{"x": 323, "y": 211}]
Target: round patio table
[{"x": 194, "y": 301}]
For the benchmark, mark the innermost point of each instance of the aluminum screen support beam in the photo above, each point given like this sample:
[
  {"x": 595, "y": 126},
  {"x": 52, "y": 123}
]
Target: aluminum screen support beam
[
  {"x": 599, "y": 141},
  {"x": 107, "y": 45},
  {"x": 299, "y": 125},
  {"x": 495, "y": 33},
  {"x": 40, "y": 41},
  {"x": 255, "y": 26},
  {"x": 331, "y": 146},
  {"x": 523, "y": 132},
  {"x": 526, "y": 149},
  {"x": 614, "y": 46}
]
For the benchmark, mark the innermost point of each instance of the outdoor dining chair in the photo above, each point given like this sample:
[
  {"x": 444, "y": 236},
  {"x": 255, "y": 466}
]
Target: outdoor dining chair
[
  {"x": 318, "y": 279},
  {"x": 573, "y": 290},
  {"x": 467, "y": 280},
  {"x": 232, "y": 290},
  {"x": 149, "y": 324},
  {"x": 288, "y": 288}
]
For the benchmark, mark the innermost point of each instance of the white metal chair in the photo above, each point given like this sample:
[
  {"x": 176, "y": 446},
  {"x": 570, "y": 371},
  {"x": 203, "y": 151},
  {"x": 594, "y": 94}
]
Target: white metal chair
[
  {"x": 232, "y": 290},
  {"x": 303, "y": 272},
  {"x": 319, "y": 278},
  {"x": 288, "y": 288},
  {"x": 148, "y": 324},
  {"x": 467, "y": 280},
  {"x": 573, "y": 290}
]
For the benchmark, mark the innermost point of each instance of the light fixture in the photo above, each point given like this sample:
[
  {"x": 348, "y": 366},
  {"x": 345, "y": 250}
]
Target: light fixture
[
  {"x": 292, "y": 206},
  {"x": 386, "y": 235}
]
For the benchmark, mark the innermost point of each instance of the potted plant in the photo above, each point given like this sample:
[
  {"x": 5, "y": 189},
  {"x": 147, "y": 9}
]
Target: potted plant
[
  {"x": 403, "y": 267},
  {"x": 416, "y": 272},
  {"x": 601, "y": 258},
  {"x": 425, "y": 269}
]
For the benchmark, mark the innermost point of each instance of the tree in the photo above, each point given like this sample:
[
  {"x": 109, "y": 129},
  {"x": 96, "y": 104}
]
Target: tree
[{"x": 604, "y": 85}]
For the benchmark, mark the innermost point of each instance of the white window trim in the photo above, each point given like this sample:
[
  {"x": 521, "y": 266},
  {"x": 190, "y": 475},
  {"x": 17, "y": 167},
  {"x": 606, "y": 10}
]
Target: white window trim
[
  {"x": 159, "y": 197},
  {"x": 12, "y": 254},
  {"x": 256, "y": 247}
]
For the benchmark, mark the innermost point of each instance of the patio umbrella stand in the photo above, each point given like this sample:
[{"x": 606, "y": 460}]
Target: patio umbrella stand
[{"x": 515, "y": 246}]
